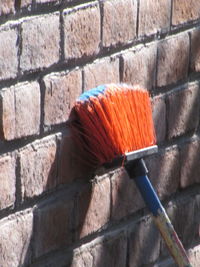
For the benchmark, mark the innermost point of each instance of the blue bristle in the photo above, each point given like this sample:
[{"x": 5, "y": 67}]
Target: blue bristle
[{"x": 92, "y": 93}]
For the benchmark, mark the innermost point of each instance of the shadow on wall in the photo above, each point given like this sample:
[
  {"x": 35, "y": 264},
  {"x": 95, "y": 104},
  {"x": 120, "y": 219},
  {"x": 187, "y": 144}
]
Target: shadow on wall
[
  {"x": 61, "y": 210},
  {"x": 64, "y": 219}
]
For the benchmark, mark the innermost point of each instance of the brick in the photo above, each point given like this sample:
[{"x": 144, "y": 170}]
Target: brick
[
  {"x": 190, "y": 169},
  {"x": 7, "y": 114},
  {"x": 126, "y": 198},
  {"x": 15, "y": 240},
  {"x": 56, "y": 259},
  {"x": 81, "y": 32},
  {"x": 53, "y": 220},
  {"x": 166, "y": 263},
  {"x": 154, "y": 16},
  {"x": 107, "y": 251},
  {"x": 173, "y": 58},
  {"x": 182, "y": 217},
  {"x": 25, "y": 3},
  {"x": 83, "y": 259},
  {"x": 40, "y": 38},
  {"x": 181, "y": 214},
  {"x": 144, "y": 244},
  {"x": 46, "y": 1},
  {"x": 183, "y": 111},
  {"x": 20, "y": 110},
  {"x": 194, "y": 255},
  {"x": 195, "y": 51},
  {"x": 67, "y": 171},
  {"x": 164, "y": 172},
  {"x": 71, "y": 164},
  {"x": 111, "y": 252},
  {"x": 6, "y": 7},
  {"x": 101, "y": 72},
  {"x": 159, "y": 118},
  {"x": 196, "y": 217},
  {"x": 119, "y": 31},
  {"x": 184, "y": 11},
  {"x": 27, "y": 105},
  {"x": 93, "y": 207},
  {"x": 139, "y": 67},
  {"x": 7, "y": 181},
  {"x": 61, "y": 90},
  {"x": 8, "y": 50},
  {"x": 38, "y": 167}
]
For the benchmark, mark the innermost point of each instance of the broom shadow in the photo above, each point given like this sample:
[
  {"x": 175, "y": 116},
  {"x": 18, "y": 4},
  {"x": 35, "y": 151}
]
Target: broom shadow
[{"x": 68, "y": 169}]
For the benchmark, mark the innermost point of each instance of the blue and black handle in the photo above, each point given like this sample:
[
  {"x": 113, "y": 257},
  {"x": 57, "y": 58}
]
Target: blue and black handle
[{"x": 138, "y": 172}]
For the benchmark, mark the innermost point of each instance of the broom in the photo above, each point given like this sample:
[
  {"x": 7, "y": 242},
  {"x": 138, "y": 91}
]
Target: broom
[{"x": 113, "y": 126}]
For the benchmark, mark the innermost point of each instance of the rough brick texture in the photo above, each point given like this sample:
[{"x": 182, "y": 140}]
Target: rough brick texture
[
  {"x": 71, "y": 164},
  {"x": 154, "y": 16},
  {"x": 38, "y": 167},
  {"x": 67, "y": 159},
  {"x": 61, "y": 90},
  {"x": 183, "y": 214},
  {"x": 195, "y": 50},
  {"x": 110, "y": 250},
  {"x": 182, "y": 217},
  {"x": 81, "y": 32},
  {"x": 184, "y": 11},
  {"x": 139, "y": 67},
  {"x": 8, "y": 51},
  {"x": 6, "y": 6},
  {"x": 27, "y": 109},
  {"x": 53, "y": 225},
  {"x": 185, "y": 104},
  {"x": 46, "y": 1},
  {"x": 25, "y": 3},
  {"x": 55, "y": 209},
  {"x": 159, "y": 117},
  {"x": 144, "y": 244},
  {"x": 45, "y": 38},
  {"x": 93, "y": 199},
  {"x": 82, "y": 259},
  {"x": 117, "y": 30},
  {"x": 194, "y": 255},
  {"x": 164, "y": 172},
  {"x": 16, "y": 233},
  {"x": 7, "y": 107},
  {"x": 186, "y": 231},
  {"x": 190, "y": 170},
  {"x": 20, "y": 106},
  {"x": 126, "y": 198},
  {"x": 196, "y": 215},
  {"x": 101, "y": 72},
  {"x": 7, "y": 181},
  {"x": 173, "y": 59}
]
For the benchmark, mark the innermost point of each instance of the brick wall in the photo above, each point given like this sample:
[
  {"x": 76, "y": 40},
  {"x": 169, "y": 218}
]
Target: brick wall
[{"x": 53, "y": 211}]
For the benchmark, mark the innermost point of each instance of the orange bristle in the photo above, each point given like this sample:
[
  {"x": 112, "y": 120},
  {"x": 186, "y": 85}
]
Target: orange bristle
[{"x": 117, "y": 121}]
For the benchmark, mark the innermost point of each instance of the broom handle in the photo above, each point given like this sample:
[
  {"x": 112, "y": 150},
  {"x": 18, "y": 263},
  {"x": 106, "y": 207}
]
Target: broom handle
[
  {"x": 160, "y": 217},
  {"x": 162, "y": 221}
]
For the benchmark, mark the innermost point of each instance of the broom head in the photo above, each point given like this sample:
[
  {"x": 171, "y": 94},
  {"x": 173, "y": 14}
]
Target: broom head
[{"x": 111, "y": 120}]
